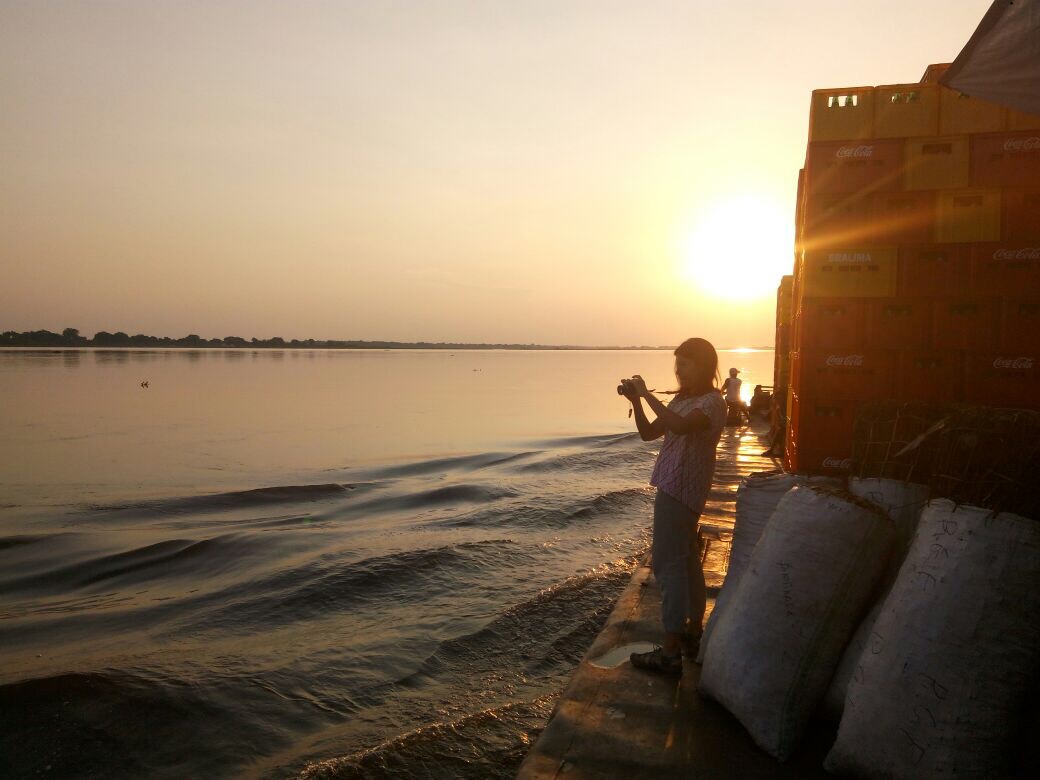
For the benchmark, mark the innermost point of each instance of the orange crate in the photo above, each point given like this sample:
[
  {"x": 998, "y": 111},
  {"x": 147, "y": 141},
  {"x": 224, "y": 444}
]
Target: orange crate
[
  {"x": 961, "y": 114},
  {"x": 935, "y": 376},
  {"x": 1021, "y": 221},
  {"x": 904, "y": 217},
  {"x": 819, "y": 436},
  {"x": 823, "y": 425},
  {"x": 901, "y": 110},
  {"x": 785, "y": 299},
  {"x": 1003, "y": 379},
  {"x": 1020, "y": 120},
  {"x": 799, "y": 211},
  {"x": 965, "y": 323},
  {"x": 1006, "y": 268},
  {"x": 935, "y": 270},
  {"x": 1020, "y": 326},
  {"x": 833, "y": 463},
  {"x": 936, "y": 163},
  {"x": 849, "y": 273},
  {"x": 898, "y": 323},
  {"x": 838, "y": 219},
  {"x": 862, "y": 166},
  {"x": 1005, "y": 160},
  {"x": 832, "y": 324},
  {"x": 782, "y": 369},
  {"x": 841, "y": 114},
  {"x": 968, "y": 216},
  {"x": 846, "y": 375}
]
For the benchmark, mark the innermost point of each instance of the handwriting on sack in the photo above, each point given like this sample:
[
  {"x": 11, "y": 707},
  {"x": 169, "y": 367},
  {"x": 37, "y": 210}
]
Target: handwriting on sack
[
  {"x": 786, "y": 588},
  {"x": 927, "y": 692}
]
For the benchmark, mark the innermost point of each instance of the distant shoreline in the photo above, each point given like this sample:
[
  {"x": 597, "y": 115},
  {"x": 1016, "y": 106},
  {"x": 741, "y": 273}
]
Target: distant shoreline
[
  {"x": 70, "y": 339},
  {"x": 427, "y": 348}
]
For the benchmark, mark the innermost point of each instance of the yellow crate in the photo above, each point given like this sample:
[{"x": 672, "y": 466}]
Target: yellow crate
[
  {"x": 1019, "y": 120},
  {"x": 902, "y": 110},
  {"x": 960, "y": 114},
  {"x": 785, "y": 299},
  {"x": 968, "y": 215},
  {"x": 851, "y": 273},
  {"x": 841, "y": 114},
  {"x": 797, "y": 293},
  {"x": 936, "y": 163}
]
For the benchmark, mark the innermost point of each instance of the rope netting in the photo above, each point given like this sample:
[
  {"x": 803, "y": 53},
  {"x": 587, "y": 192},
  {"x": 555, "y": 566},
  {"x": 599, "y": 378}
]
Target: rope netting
[
  {"x": 979, "y": 456},
  {"x": 897, "y": 440}
]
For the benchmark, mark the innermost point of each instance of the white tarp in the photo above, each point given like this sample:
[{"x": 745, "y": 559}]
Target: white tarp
[{"x": 1001, "y": 61}]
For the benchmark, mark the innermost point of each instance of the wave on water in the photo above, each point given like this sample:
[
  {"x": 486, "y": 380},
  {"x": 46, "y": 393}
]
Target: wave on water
[
  {"x": 445, "y": 465},
  {"x": 611, "y": 502},
  {"x": 449, "y": 494},
  {"x": 413, "y": 619},
  {"x": 109, "y": 724},
  {"x": 170, "y": 558},
  {"x": 603, "y": 440},
  {"x": 485, "y": 745},
  {"x": 509, "y": 636},
  {"x": 506, "y": 660},
  {"x": 234, "y": 499},
  {"x": 578, "y": 454},
  {"x": 323, "y": 589},
  {"x": 18, "y": 540},
  {"x": 555, "y": 513}
]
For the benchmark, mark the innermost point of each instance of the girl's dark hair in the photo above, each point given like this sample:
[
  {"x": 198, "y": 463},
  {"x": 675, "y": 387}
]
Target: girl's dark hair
[{"x": 701, "y": 352}]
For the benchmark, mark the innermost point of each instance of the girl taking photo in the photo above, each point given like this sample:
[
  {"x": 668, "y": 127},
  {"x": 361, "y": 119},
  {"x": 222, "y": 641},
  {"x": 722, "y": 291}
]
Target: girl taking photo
[{"x": 691, "y": 424}]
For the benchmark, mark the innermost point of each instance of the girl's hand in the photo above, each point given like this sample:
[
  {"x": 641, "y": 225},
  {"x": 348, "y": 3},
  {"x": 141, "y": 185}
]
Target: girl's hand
[
  {"x": 628, "y": 390},
  {"x": 639, "y": 386}
]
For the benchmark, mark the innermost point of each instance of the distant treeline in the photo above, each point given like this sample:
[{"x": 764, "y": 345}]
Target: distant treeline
[{"x": 70, "y": 338}]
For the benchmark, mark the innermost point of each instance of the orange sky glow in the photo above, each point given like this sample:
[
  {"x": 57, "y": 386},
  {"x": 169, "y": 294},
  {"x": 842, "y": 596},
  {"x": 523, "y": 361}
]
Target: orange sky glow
[{"x": 589, "y": 173}]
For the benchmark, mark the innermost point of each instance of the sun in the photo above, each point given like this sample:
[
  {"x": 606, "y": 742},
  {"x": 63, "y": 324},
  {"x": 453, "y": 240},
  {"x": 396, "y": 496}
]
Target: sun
[{"x": 739, "y": 247}]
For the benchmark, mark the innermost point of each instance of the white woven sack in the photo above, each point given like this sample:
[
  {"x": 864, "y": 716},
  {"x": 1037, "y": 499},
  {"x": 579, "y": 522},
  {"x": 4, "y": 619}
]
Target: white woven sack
[
  {"x": 939, "y": 690},
  {"x": 775, "y": 647},
  {"x": 757, "y": 497},
  {"x": 903, "y": 502}
]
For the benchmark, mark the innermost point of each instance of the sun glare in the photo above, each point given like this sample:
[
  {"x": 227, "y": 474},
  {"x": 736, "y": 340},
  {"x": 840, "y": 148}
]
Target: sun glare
[{"x": 739, "y": 247}]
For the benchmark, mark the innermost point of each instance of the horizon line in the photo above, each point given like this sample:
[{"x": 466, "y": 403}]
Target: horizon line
[{"x": 70, "y": 338}]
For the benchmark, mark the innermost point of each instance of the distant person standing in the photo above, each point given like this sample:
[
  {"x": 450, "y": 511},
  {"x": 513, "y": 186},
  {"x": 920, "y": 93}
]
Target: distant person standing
[
  {"x": 731, "y": 389},
  {"x": 691, "y": 424}
]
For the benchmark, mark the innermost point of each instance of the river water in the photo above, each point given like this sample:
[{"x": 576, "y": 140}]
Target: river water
[{"x": 319, "y": 562}]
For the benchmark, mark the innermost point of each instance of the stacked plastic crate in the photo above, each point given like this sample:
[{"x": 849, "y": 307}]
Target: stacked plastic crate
[
  {"x": 917, "y": 263},
  {"x": 782, "y": 342}
]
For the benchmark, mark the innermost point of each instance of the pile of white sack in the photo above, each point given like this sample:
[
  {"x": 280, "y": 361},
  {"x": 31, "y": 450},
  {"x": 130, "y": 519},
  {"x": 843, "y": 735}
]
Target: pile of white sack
[{"x": 915, "y": 622}]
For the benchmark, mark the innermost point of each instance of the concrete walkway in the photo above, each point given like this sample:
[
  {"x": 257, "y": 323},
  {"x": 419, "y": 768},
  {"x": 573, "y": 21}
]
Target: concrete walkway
[{"x": 621, "y": 722}]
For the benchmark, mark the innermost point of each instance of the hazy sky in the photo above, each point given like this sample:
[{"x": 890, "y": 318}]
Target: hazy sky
[{"x": 552, "y": 172}]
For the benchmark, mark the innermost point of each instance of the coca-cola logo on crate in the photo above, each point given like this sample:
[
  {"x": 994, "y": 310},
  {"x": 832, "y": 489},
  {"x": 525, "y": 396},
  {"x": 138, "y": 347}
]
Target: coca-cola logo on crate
[
  {"x": 837, "y": 463},
  {"x": 1022, "y": 144},
  {"x": 1019, "y": 363},
  {"x": 844, "y": 360},
  {"x": 855, "y": 151},
  {"x": 1027, "y": 253}
]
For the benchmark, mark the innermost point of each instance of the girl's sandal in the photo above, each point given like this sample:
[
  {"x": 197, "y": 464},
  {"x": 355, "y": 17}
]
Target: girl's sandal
[{"x": 657, "y": 661}]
